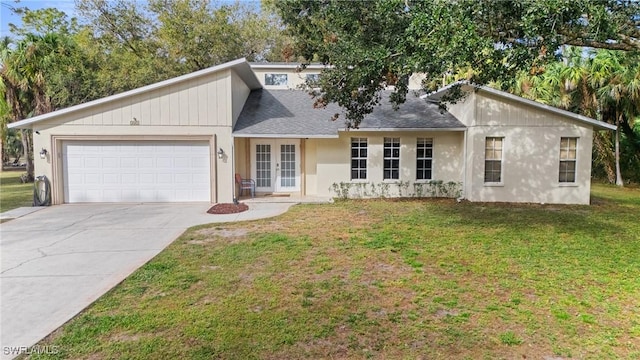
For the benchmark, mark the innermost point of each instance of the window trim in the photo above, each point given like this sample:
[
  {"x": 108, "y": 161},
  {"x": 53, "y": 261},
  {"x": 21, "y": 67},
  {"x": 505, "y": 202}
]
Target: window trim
[
  {"x": 574, "y": 160},
  {"x": 484, "y": 149},
  {"x": 359, "y": 140},
  {"x": 424, "y": 158},
  {"x": 392, "y": 141}
]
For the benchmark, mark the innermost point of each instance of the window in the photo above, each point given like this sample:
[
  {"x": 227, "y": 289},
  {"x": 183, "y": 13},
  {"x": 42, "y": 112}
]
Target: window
[
  {"x": 275, "y": 79},
  {"x": 263, "y": 165},
  {"x": 493, "y": 160},
  {"x": 358, "y": 158},
  {"x": 568, "y": 148},
  {"x": 313, "y": 78},
  {"x": 424, "y": 158},
  {"x": 391, "y": 159}
]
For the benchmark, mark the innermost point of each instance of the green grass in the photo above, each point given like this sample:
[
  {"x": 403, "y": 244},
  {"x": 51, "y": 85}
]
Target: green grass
[
  {"x": 384, "y": 279},
  {"x": 13, "y": 193}
]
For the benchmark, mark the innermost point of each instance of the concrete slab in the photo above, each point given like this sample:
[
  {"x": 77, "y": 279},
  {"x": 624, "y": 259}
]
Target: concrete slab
[
  {"x": 58, "y": 260},
  {"x": 19, "y": 212}
]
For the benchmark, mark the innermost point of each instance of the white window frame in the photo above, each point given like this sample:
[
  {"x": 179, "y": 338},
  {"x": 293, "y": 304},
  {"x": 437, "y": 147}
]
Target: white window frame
[
  {"x": 493, "y": 139},
  {"x": 392, "y": 144},
  {"x": 425, "y": 142},
  {"x": 566, "y": 149},
  {"x": 359, "y": 158}
]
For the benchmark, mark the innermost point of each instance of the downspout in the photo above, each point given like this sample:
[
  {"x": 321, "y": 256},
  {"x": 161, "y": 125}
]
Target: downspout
[
  {"x": 233, "y": 170},
  {"x": 464, "y": 168}
]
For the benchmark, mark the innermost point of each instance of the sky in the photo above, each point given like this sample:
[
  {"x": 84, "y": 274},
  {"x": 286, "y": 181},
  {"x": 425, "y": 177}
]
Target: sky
[
  {"x": 7, "y": 16},
  {"x": 66, "y": 6}
]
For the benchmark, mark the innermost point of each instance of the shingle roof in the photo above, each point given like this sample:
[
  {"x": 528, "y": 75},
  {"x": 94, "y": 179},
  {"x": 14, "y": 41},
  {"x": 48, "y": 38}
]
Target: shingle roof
[{"x": 291, "y": 113}]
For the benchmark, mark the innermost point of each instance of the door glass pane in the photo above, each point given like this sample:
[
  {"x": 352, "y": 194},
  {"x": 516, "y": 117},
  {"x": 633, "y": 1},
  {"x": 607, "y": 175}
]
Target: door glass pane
[
  {"x": 288, "y": 165},
  {"x": 263, "y": 165}
]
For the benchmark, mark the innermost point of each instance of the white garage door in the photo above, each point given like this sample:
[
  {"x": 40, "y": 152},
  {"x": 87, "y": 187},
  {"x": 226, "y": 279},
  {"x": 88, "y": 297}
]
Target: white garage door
[{"x": 136, "y": 171}]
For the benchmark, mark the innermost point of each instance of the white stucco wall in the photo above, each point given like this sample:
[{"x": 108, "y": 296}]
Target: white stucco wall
[
  {"x": 310, "y": 166},
  {"x": 531, "y": 152},
  {"x": 333, "y": 159}
]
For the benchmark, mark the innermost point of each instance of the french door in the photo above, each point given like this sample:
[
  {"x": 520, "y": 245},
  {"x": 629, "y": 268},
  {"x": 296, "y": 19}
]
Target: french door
[{"x": 275, "y": 164}]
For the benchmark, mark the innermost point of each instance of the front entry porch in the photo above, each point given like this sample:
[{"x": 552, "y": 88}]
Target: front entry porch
[{"x": 275, "y": 165}]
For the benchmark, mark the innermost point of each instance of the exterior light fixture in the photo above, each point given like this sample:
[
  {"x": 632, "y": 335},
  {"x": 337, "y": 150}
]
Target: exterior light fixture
[
  {"x": 220, "y": 153},
  {"x": 43, "y": 153}
]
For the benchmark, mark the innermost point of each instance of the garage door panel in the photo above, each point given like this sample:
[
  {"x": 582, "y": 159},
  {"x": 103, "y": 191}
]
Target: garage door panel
[
  {"x": 124, "y": 171},
  {"x": 110, "y": 162},
  {"x": 93, "y": 179},
  {"x": 128, "y": 163}
]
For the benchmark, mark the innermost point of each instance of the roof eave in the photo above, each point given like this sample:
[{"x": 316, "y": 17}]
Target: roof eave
[
  {"x": 404, "y": 129},
  {"x": 255, "y": 65},
  {"x": 286, "y": 136}
]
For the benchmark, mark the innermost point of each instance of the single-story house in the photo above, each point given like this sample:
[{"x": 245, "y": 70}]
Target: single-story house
[{"x": 184, "y": 139}]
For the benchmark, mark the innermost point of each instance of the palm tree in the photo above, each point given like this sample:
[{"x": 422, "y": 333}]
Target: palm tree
[
  {"x": 602, "y": 84},
  {"x": 619, "y": 93},
  {"x": 23, "y": 76}
]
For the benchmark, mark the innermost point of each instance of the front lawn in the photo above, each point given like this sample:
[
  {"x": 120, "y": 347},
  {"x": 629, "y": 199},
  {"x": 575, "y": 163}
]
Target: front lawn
[
  {"x": 430, "y": 279},
  {"x": 13, "y": 193}
]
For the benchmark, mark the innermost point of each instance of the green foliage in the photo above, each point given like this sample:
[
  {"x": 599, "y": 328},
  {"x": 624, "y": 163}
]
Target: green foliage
[
  {"x": 43, "y": 21},
  {"x": 432, "y": 188},
  {"x": 510, "y": 338},
  {"x": 43, "y": 70},
  {"x": 13, "y": 192},
  {"x": 136, "y": 44},
  {"x": 383, "y": 43},
  {"x": 12, "y": 146}
]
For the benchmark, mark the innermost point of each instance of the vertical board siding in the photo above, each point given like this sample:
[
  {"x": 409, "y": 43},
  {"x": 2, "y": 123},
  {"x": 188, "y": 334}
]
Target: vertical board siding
[
  {"x": 145, "y": 112},
  {"x": 154, "y": 110},
  {"x": 203, "y": 101},
  {"x": 203, "y": 98},
  {"x": 192, "y": 105},
  {"x": 126, "y": 114},
  {"x": 107, "y": 118},
  {"x": 503, "y": 112},
  {"x": 182, "y": 105}
]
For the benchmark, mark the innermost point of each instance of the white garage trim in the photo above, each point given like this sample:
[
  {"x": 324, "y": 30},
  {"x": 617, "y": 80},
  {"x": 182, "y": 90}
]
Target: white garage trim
[{"x": 134, "y": 168}]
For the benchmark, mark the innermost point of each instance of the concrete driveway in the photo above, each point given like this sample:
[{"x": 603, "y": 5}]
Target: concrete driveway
[{"x": 57, "y": 261}]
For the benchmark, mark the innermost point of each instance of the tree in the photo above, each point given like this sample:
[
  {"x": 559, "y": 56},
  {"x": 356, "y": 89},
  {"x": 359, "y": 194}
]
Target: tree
[
  {"x": 135, "y": 45},
  {"x": 36, "y": 71},
  {"x": 199, "y": 35},
  {"x": 119, "y": 40},
  {"x": 41, "y": 71},
  {"x": 369, "y": 47},
  {"x": 619, "y": 94}
]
